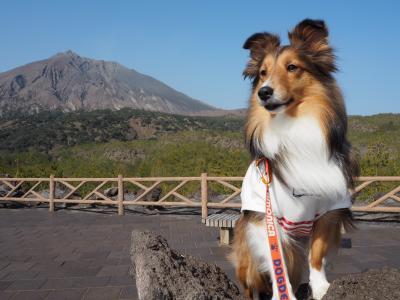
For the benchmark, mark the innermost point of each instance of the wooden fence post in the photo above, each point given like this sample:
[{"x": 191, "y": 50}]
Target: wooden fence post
[
  {"x": 51, "y": 193},
  {"x": 204, "y": 197},
  {"x": 120, "y": 196}
]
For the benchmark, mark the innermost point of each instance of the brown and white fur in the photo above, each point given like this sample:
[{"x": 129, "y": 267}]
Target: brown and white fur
[{"x": 297, "y": 119}]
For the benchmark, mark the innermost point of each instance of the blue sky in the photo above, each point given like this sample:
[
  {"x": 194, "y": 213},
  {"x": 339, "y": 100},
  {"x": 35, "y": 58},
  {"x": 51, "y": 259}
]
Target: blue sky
[{"x": 196, "y": 46}]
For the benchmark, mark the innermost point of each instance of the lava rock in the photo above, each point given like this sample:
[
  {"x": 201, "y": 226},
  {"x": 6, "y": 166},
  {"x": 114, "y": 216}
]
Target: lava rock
[
  {"x": 154, "y": 196},
  {"x": 372, "y": 285},
  {"x": 162, "y": 273},
  {"x": 111, "y": 192}
]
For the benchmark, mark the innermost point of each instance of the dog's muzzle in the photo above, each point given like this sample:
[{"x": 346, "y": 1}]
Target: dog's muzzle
[
  {"x": 269, "y": 101},
  {"x": 276, "y": 104}
]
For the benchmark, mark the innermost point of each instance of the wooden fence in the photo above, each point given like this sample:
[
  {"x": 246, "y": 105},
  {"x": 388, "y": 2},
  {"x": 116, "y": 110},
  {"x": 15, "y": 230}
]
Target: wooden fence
[{"x": 383, "y": 194}]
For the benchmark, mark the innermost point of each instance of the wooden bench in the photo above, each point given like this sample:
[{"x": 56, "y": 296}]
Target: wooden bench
[{"x": 226, "y": 222}]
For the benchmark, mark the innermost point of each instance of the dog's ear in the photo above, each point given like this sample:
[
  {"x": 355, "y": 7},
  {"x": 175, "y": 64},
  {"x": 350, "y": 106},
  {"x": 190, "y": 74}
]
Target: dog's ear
[
  {"x": 259, "y": 45},
  {"x": 310, "y": 37}
]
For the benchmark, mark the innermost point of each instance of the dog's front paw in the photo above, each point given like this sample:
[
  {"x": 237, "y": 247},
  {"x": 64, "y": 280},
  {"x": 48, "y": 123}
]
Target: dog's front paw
[{"x": 319, "y": 289}]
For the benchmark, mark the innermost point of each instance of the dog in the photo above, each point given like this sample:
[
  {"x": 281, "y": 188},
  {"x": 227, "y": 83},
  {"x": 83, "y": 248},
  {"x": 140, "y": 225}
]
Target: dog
[{"x": 297, "y": 121}]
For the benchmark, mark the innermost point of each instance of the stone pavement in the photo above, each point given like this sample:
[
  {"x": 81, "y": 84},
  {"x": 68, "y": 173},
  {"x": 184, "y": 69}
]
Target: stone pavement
[{"x": 85, "y": 255}]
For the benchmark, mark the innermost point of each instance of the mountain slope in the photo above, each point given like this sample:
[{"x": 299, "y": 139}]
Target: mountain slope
[
  {"x": 45, "y": 130},
  {"x": 70, "y": 82}
]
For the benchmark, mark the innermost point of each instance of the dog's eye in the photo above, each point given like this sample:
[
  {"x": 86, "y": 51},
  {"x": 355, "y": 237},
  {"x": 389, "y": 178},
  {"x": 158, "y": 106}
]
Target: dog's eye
[
  {"x": 263, "y": 73},
  {"x": 292, "y": 68}
]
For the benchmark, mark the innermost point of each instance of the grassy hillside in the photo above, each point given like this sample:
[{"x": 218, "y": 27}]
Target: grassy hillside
[
  {"x": 376, "y": 139},
  {"x": 139, "y": 143},
  {"x": 182, "y": 154}
]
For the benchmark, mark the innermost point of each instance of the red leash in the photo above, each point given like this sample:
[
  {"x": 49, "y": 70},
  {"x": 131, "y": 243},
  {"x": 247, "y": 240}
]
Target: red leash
[{"x": 273, "y": 237}]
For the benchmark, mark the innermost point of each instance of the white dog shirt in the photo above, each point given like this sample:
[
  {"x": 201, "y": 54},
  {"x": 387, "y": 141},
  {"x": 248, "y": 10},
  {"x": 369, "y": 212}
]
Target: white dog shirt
[{"x": 295, "y": 210}]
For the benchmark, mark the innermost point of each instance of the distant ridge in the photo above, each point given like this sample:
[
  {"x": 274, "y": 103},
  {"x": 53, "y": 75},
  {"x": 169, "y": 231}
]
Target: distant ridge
[{"x": 69, "y": 82}]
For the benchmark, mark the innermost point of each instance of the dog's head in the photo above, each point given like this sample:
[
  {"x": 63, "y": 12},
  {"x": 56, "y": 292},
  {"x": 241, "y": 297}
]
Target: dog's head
[{"x": 284, "y": 76}]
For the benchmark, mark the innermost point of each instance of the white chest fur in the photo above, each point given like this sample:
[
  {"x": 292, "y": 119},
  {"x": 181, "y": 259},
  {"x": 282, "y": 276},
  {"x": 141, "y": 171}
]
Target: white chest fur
[{"x": 307, "y": 164}]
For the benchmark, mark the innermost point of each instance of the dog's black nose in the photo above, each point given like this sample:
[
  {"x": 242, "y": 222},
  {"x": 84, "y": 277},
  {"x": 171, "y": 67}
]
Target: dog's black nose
[{"x": 265, "y": 93}]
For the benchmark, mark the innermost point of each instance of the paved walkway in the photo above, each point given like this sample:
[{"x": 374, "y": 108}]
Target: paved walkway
[{"x": 85, "y": 255}]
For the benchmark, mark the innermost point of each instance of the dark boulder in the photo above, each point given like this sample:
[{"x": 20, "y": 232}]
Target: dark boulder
[
  {"x": 154, "y": 194},
  {"x": 162, "y": 273},
  {"x": 375, "y": 284},
  {"x": 111, "y": 192}
]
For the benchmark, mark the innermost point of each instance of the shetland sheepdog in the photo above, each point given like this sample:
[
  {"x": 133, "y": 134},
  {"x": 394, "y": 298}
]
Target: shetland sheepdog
[{"x": 297, "y": 121}]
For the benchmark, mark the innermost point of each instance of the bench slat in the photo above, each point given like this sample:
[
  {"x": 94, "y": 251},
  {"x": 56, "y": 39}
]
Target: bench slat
[
  {"x": 235, "y": 220},
  {"x": 231, "y": 219},
  {"x": 225, "y": 221},
  {"x": 210, "y": 220},
  {"x": 222, "y": 220}
]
